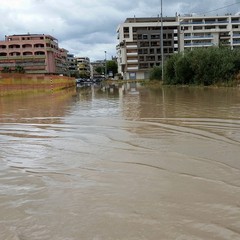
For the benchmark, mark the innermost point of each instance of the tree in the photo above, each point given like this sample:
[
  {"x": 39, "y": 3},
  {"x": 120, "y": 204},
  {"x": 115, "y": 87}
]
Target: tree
[
  {"x": 183, "y": 71},
  {"x": 169, "y": 69},
  {"x": 99, "y": 70},
  {"x": 203, "y": 66},
  {"x": 156, "y": 73},
  {"x": 112, "y": 67}
]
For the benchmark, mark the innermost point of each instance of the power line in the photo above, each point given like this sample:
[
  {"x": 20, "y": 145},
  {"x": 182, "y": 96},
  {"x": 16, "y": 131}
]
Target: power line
[{"x": 220, "y": 8}]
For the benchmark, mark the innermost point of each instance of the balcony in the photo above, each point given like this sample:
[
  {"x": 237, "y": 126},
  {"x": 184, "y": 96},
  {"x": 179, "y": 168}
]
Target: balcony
[
  {"x": 236, "y": 35},
  {"x": 26, "y": 46},
  {"x": 132, "y": 61},
  {"x": 22, "y": 57},
  {"x": 131, "y": 46},
  {"x": 132, "y": 54},
  {"x": 236, "y": 42},
  {"x": 132, "y": 68},
  {"x": 49, "y": 49},
  {"x": 203, "y": 44},
  {"x": 199, "y": 37},
  {"x": 191, "y": 23}
]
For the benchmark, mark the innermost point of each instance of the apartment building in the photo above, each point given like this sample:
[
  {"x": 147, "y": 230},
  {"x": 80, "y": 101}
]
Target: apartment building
[
  {"x": 72, "y": 65},
  {"x": 36, "y": 53},
  {"x": 83, "y": 66},
  {"x": 207, "y": 31},
  {"x": 139, "y": 47}
]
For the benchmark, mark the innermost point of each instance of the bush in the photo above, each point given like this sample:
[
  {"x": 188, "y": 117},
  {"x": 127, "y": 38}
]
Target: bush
[
  {"x": 156, "y": 73},
  {"x": 202, "y": 66}
]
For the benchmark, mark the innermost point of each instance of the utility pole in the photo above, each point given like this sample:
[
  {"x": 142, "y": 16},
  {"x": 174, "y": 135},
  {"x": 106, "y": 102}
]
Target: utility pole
[
  {"x": 162, "y": 40},
  {"x": 105, "y": 64}
]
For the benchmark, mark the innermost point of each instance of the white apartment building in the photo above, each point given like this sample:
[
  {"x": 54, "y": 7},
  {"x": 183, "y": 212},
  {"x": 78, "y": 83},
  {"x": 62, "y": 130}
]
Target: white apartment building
[
  {"x": 139, "y": 47},
  {"x": 207, "y": 31}
]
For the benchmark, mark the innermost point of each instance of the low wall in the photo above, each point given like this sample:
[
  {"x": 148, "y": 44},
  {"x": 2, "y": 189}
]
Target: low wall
[{"x": 22, "y": 83}]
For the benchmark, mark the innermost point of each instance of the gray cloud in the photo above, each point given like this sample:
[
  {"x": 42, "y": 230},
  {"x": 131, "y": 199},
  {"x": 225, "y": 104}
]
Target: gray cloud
[{"x": 88, "y": 28}]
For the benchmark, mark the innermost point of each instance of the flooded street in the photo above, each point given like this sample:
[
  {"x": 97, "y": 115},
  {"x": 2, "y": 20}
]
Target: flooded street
[{"x": 121, "y": 163}]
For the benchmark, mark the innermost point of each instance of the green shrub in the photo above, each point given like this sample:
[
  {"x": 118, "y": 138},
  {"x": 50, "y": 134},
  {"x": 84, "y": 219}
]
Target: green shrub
[
  {"x": 156, "y": 73},
  {"x": 202, "y": 66}
]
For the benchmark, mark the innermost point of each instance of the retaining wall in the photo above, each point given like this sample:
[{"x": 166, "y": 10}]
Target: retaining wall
[{"x": 22, "y": 83}]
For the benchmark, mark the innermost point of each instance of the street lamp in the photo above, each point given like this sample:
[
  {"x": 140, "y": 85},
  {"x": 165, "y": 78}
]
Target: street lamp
[
  {"x": 105, "y": 64},
  {"x": 162, "y": 40}
]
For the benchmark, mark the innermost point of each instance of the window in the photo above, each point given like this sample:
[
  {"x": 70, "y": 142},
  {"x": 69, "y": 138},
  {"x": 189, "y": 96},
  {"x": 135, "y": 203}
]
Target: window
[
  {"x": 143, "y": 51},
  {"x": 198, "y": 27},
  {"x": 39, "y": 53},
  {"x": 210, "y": 27},
  {"x": 223, "y": 27},
  {"x": 143, "y": 65},
  {"x": 154, "y": 44},
  {"x": 145, "y": 36},
  {"x": 150, "y": 58},
  {"x": 126, "y": 29},
  {"x": 155, "y": 36},
  {"x": 144, "y": 44}
]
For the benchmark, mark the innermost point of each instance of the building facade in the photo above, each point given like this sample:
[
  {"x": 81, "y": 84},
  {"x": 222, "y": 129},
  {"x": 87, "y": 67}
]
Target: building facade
[
  {"x": 35, "y": 53},
  {"x": 83, "y": 66},
  {"x": 72, "y": 65},
  {"x": 208, "y": 31},
  {"x": 139, "y": 47}
]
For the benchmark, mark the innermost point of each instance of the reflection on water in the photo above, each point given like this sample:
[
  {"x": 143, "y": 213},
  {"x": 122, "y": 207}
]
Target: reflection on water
[{"x": 120, "y": 162}]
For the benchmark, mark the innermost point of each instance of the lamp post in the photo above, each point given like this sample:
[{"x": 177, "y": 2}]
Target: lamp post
[
  {"x": 105, "y": 64},
  {"x": 162, "y": 59}
]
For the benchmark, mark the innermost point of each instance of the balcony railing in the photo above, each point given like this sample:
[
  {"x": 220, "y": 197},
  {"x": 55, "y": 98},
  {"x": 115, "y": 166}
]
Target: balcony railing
[
  {"x": 198, "y": 44},
  {"x": 202, "y": 22},
  {"x": 194, "y": 37},
  {"x": 132, "y": 68},
  {"x": 131, "y": 46},
  {"x": 21, "y": 57},
  {"x": 132, "y": 54},
  {"x": 132, "y": 61}
]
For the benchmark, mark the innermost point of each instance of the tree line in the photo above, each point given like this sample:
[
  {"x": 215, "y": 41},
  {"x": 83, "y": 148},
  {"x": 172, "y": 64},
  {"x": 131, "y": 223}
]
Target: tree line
[{"x": 201, "y": 66}]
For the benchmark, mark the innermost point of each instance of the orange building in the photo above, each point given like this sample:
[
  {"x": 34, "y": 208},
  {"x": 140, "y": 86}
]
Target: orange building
[{"x": 35, "y": 53}]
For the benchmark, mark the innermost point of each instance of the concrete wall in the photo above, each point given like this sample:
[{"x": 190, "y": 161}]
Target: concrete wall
[{"x": 22, "y": 83}]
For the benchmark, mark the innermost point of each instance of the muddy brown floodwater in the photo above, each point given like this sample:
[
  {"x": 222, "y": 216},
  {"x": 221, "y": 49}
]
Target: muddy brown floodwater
[{"x": 121, "y": 163}]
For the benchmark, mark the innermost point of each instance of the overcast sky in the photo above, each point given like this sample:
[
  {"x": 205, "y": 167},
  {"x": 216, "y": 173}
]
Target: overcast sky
[{"x": 88, "y": 27}]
